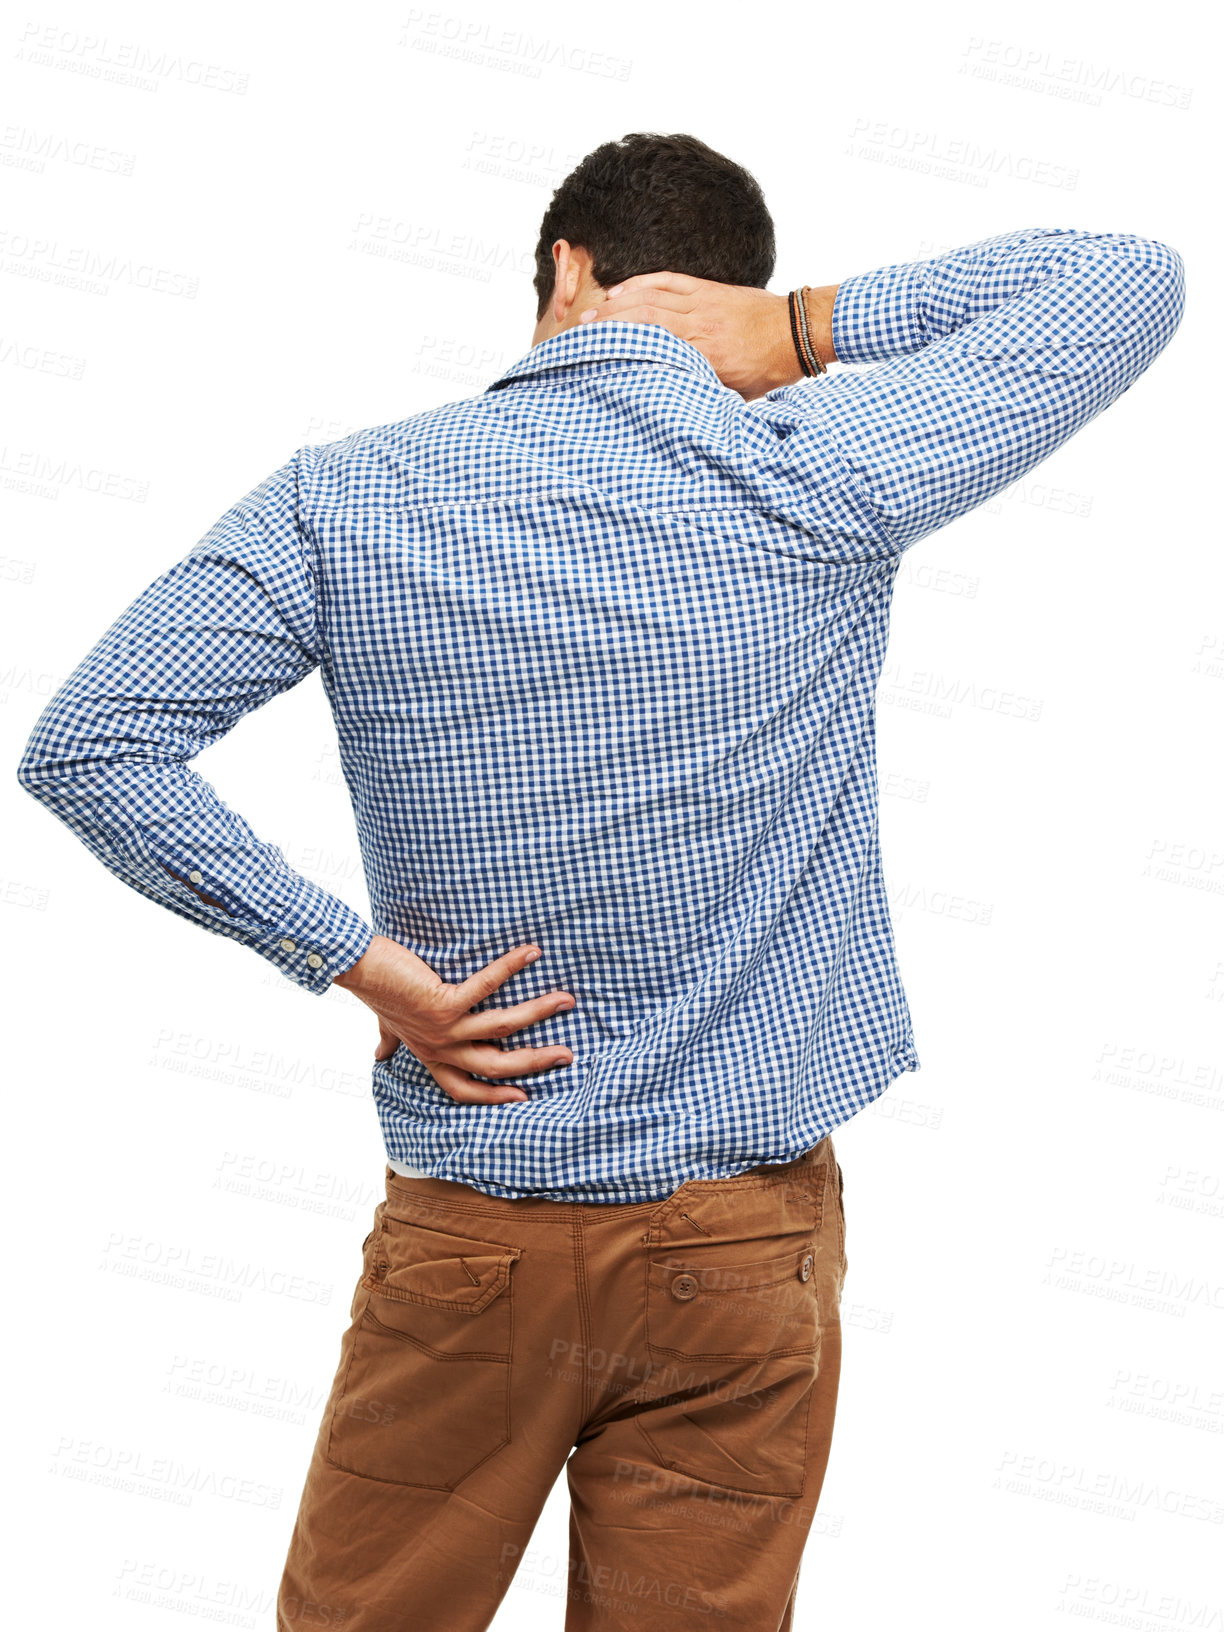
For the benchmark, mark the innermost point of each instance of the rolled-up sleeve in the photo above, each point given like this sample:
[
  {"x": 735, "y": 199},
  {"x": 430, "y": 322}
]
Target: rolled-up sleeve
[
  {"x": 988, "y": 358},
  {"x": 214, "y": 637}
]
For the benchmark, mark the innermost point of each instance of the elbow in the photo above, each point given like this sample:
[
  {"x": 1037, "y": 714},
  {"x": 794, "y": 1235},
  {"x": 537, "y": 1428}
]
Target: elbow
[
  {"x": 35, "y": 771},
  {"x": 1173, "y": 269},
  {"x": 1177, "y": 287},
  {"x": 1164, "y": 287},
  {"x": 41, "y": 767},
  {"x": 42, "y": 757},
  {"x": 1165, "y": 258},
  {"x": 63, "y": 743}
]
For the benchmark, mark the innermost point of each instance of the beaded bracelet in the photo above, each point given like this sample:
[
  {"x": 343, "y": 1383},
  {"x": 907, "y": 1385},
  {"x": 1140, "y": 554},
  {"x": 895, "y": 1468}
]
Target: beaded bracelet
[{"x": 808, "y": 360}]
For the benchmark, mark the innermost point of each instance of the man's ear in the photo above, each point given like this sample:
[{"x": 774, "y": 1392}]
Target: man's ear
[{"x": 566, "y": 277}]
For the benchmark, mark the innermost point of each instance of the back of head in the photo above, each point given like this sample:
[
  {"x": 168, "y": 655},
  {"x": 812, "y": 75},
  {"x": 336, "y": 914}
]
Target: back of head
[{"x": 652, "y": 203}]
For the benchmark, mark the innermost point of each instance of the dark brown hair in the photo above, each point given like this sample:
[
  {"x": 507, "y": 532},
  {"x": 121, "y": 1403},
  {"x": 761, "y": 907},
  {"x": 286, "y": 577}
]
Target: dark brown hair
[{"x": 652, "y": 203}]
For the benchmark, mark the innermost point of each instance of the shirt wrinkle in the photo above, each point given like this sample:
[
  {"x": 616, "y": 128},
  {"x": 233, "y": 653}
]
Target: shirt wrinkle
[{"x": 601, "y": 645}]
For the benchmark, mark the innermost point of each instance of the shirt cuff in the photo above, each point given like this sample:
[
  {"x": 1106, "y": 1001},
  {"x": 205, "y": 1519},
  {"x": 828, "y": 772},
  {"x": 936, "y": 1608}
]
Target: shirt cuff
[
  {"x": 304, "y": 930},
  {"x": 313, "y": 957},
  {"x": 877, "y": 314},
  {"x": 314, "y": 936}
]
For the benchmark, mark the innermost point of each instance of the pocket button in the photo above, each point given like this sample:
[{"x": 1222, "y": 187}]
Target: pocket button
[
  {"x": 805, "y": 1268},
  {"x": 684, "y": 1286}
]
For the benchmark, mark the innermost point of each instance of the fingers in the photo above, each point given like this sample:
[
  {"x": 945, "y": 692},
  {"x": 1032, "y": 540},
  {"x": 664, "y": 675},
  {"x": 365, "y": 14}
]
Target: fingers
[
  {"x": 676, "y": 283},
  {"x": 486, "y": 981},
  {"x": 453, "y": 1037},
  {"x": 642, "y": 306},
  {"x": 467, "y": 1091},
  {"x": 646, "y": 293},
  {"x": 388, "y": 1042},
  {"x": 492, "y": 1061},
  {"x": 503, "y": 1022}
]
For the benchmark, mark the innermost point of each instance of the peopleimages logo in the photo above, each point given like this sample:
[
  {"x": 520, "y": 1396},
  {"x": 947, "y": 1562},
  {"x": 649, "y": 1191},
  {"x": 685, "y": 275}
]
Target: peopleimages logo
[
  {"x": 192, "y": 1592},
  {"x": 954, "y": 158},
  {"x": 126, "y": 1469},
  {"x": 1074, "y": 79},
  {"x": 30, "y": 470},
  {"x": 123, "y": 62},
  {"x": 424, "y": 243},
  {"x": 41, "y": 359},
  {"x": 23, "y": 148},
  {"x": 469, "y": 39},
  {"x": 178, "y": 1264},
  {"x": 80, "y": 266}
]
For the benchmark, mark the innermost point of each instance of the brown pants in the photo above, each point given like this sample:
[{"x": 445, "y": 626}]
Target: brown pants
[{"x": 678, "y": 1358}]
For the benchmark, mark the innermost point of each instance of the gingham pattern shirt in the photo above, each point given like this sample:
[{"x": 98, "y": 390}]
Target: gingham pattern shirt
[{"x": 602, "y": 644}]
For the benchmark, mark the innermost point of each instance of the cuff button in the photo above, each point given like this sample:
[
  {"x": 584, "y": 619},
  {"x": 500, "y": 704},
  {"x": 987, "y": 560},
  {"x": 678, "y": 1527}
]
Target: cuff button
[
  {"x": 288, "y": 946},
  {"x": 196, "y": 876},
  {"x": 314, "y": 960}
]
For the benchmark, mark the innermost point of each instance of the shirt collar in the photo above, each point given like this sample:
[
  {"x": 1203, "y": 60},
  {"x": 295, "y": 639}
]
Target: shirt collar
[{"x": 613, "y": 338}]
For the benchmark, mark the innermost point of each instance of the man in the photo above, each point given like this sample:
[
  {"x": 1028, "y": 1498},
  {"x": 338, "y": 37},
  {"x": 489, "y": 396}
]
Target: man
[{"x": 601, "y": 644}]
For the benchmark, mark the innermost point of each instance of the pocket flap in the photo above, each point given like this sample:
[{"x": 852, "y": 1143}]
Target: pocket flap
[
  {"x": 715, "y": 1275},
  {"x": 416, "y": 1264},
  {"x": 704, "y": 1304}
]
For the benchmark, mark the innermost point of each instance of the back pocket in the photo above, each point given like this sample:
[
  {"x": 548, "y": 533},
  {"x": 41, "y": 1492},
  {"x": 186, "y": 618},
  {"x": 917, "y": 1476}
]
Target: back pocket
[
  {"x": 734, "y": 1351},
  {"x": 700, "y": 1306},
  {"x": 425, "y": 1396}
]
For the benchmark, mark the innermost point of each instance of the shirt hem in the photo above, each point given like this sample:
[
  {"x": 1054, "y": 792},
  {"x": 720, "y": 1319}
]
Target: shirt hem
[{"x": 904, "y": 1059}]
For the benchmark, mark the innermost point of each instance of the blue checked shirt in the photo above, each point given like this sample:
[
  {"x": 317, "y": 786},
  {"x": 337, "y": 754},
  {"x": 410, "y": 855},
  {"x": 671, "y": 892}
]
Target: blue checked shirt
[{"x": 601, "y": 644}]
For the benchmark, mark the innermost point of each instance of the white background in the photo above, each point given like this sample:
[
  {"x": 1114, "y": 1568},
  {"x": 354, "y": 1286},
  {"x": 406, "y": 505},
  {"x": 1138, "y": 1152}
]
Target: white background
[{"x": 1029, "y": 1432}]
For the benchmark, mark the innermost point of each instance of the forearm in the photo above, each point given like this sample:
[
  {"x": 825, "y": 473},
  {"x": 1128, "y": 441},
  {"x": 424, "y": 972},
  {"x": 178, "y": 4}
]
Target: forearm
[
  {"x": 989, "y": 357},
  {"x": 819, "y": 304},
  {"x": 161, "y": 829},
  {"x": 1050, "y": 277},
  {"x": 783, "y": 366},
  {"x": 366, "y": 976},
  {"x": 215, "y": 636}
]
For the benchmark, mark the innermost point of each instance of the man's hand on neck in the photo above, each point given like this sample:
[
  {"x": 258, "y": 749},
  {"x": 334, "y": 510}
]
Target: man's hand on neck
[{"x": 745, "y": 333}]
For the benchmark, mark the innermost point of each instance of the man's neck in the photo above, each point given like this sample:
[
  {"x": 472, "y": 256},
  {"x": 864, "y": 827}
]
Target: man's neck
[{"x": 589, "y": 294}]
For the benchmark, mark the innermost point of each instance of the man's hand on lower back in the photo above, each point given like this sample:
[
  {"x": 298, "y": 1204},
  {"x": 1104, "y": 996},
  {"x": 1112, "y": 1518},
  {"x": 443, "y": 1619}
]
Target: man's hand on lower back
[
  {"x": 744, "y": 332},
  {"x": 434, "y": 1020}
]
